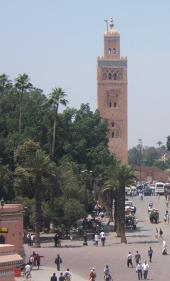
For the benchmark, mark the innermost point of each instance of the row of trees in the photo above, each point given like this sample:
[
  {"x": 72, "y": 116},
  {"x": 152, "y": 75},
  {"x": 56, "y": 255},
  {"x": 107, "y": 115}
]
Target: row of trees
[
  {"x": 150, "y": 156},
  {"x": 55, "y": 163}
]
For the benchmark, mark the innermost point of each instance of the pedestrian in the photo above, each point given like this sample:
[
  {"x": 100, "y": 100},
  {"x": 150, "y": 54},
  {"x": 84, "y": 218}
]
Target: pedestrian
[
  {"x": 103, "y": 238},
  {"x": 145, "y": 267},
  {"x": 29, "y": 239},
  {"x": 38, "y": 261},
  {"x": 61, "y": 277},
  {"x": 150, "y": 253},
  {"x": 96, "y": 239},
  {"x": 107, "y": 273},
  {"x": 92, "y": 274},
  {"x": 57, "y": 240},
  {"x": 137, "y": 257},
  {"x": 67, "y": 275},
  {"x": 139, "y": 270},
  {"x": 160, "y": 233},
  {"x": 167, "y": 216},
  {"x": 164, "y": 248},
  {"x": 32, "y": 239},
  {"x": 53, "y": 277},
  {"x": 58, "y": 262},
  {"x": 156, "y": 233},
  {"x": 129, "y": 260}
]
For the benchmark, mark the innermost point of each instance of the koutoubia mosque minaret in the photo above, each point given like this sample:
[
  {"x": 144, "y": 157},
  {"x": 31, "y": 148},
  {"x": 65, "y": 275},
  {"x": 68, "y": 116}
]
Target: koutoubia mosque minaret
[{"x": 112, "y": 92}]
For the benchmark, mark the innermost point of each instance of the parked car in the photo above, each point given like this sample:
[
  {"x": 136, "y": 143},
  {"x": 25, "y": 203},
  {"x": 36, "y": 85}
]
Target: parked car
[{"x": 147, "y": 191}]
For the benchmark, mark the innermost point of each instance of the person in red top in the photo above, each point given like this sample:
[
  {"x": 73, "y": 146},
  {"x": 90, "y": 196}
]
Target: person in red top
[{"x": 92, "y": 275}]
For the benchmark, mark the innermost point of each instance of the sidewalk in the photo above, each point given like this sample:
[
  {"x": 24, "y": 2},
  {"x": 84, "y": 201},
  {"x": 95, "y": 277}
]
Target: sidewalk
[{"x": 45, "y": 273}]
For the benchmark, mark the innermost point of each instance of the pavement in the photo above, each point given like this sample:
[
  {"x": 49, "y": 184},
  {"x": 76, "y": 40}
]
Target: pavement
[{"x": 80, "y": 259}]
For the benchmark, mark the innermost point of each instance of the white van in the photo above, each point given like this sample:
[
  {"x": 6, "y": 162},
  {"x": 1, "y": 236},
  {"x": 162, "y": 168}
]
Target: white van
[{"x": 159, "y": 188}]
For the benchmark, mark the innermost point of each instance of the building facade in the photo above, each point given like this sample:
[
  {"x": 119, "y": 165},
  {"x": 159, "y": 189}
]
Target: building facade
[
  {"x": 11, "y": 226},
  {"x": 112, "y": 93}
]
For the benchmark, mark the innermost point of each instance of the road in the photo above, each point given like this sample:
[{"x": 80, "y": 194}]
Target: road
[{"x": 81, "y": 258}]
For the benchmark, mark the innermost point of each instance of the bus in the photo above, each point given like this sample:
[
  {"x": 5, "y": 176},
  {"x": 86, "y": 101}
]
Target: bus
[{"x": 159, "y": 188}]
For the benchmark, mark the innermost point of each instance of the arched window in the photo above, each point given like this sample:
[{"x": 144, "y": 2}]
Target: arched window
[
  {"x": 114, "y": 50},
  {"x": 115, "y": 76},
  {"x": 110, "y": 51},
  {"x": 113, "y": 135},
  {"x": 110, "y": 76},
  {"x": 113, "y": 124}
]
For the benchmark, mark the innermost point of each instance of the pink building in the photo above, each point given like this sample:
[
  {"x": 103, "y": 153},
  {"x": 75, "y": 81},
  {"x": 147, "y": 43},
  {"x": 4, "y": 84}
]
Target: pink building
[
  {"x": 9, "y": 260},
  {"x": 11, "y": 226}
]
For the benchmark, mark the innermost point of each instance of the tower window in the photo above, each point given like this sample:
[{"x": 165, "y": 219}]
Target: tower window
[
  {"x": 115, "y": 76},
  {"x": 109, "y": 76},
  {"x": 113, "y": 134},
  {"x": 115, "y": 104},
  {"x": 114, "y": 51},
  {"x": 110, "y": 51},
  {"x": 113, "y": 124}
]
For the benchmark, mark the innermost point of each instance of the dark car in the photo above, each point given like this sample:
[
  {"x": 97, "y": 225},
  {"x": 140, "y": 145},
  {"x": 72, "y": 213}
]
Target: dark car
[{"x": 147, "y": 191}]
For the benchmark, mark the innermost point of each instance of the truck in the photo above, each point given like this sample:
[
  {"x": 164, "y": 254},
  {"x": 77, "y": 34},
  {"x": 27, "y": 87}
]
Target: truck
[{"x": 159, "y": 188}]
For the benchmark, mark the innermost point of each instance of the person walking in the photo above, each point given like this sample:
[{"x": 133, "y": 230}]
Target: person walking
[
  {"x": 137, "y": 257},
  {"x": 145, "y": 267},
  {"x": 107, "y": 273},
  {"x": 129, "y": 260},
  {"x": 161, "y": 233},
  {"x": 156, "y": 234},
  {"x": 53, "y": 277},
  {"x": 38, "y": 261},
  {"x": 139, "y": 270},
  {"x": 67, "y": 275},
  {"x": 150, "y": 253},
  {"x": 58, "y": 262},
  {"x": 96, "y": 239},
  {"x": 103, "y": 238},
  {"x": 92, "y": 274},
  {"x": 61, "y": 277}
]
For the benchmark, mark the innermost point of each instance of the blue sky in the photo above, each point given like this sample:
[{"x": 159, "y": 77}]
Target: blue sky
[{"x": 57, "y": 42}]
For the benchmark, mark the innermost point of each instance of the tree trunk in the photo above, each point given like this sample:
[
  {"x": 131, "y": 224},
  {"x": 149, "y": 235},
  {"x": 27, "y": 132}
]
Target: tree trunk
[
  {"x": 38, "y": 212},
  {"x": 20, "y": 111},
  {"x": 121, "y": 213},
  {"x": 53, "y": 141},
  {"x": 20, "y": 118}
]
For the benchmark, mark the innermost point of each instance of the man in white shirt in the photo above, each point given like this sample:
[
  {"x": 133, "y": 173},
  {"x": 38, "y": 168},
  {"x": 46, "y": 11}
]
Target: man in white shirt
[
  {"x": 129, "y": 260},
  {"x": 145, "y": 267},
  {"x": 139, "y": 270},
  {"x": 27, "y": 270},
  {"x": 96, "y": 239},
  {"x": 103, "y": 238}
]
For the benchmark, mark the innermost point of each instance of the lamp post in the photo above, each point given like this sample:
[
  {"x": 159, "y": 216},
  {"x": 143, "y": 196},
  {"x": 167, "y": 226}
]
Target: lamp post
[{"x": 140, "y": 159}]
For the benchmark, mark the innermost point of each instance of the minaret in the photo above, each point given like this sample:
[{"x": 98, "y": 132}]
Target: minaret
[{"x": 112, "y": 92}]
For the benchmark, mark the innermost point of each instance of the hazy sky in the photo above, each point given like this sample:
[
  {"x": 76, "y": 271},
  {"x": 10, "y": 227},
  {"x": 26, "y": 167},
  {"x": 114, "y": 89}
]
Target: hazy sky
[{"x": 56, "y": 42}]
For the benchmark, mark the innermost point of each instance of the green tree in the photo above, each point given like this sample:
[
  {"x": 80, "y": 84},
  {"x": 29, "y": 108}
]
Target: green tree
[
  {"x": 57, "y": 97},
  {"x": 168, "y": 143},
  {"x": 22, "y": 85},
  {"x": 35, "y": 166},
  {"x": 5, "y": 83}
]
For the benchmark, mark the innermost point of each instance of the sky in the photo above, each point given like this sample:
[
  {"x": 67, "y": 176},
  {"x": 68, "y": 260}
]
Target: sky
[{"x": 57, "y": 42}]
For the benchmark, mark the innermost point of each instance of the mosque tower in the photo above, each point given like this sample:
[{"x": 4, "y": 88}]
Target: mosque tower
[{"x": 112, "y": 92}]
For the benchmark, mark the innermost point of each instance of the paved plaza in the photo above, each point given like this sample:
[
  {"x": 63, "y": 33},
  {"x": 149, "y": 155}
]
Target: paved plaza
[{"x": 79, "y": 259}]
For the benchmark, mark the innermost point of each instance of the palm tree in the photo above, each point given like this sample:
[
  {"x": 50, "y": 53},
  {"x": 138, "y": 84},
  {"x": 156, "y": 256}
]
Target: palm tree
[
  {"x": 125, "y": 177},
  {"x": 22, "y": 85},
  {"x": 159, "y": 143},
  {"x": 34, "y": 164},
  {"x": 57, "y": 97},
  {"x": 5, "y": 83}
]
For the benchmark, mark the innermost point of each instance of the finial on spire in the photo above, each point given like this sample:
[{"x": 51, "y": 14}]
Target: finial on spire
[{"x": 111, "y": 23}]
